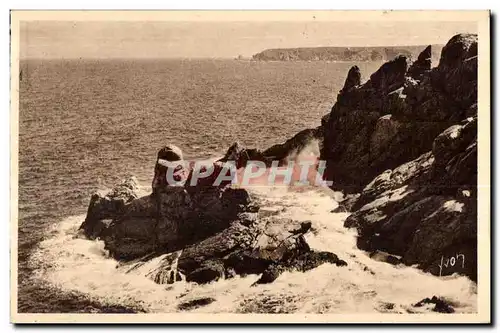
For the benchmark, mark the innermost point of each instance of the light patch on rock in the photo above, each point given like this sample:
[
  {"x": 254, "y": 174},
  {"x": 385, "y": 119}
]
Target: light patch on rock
[
  {"x": 453, "y": 206},
  {"x": 454, "y": 134}
]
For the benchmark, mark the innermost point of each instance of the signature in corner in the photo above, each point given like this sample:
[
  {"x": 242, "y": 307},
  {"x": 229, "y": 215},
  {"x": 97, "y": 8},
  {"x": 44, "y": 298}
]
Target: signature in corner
[{"x": 451, "y": 262}]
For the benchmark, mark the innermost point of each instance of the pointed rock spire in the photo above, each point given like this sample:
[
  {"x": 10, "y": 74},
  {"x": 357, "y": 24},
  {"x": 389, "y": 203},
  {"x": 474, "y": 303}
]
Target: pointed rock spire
[
  {"x": 422, "y": 64},
  {"x": 353, "y": 79}
]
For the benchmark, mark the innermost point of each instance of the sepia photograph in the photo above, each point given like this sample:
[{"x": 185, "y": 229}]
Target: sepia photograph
[{"x": 250, "y": 166}]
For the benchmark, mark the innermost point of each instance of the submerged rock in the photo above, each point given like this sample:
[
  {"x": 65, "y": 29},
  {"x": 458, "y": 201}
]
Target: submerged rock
[{"x": 195, "y": 303}]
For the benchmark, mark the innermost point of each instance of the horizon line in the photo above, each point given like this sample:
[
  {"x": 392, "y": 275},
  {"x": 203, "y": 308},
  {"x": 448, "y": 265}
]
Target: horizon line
[{"x": 234, "y": 57}]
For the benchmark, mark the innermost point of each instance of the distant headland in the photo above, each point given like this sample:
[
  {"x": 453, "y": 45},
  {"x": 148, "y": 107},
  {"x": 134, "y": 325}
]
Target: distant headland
[{"x": 376, "y": 53}]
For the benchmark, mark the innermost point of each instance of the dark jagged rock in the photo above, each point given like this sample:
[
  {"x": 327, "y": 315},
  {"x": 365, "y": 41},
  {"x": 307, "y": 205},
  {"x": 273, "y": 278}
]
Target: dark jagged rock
[
  {"x": 206, "y": 232},
  {"x": 208, "y": 272},
  {"x": 456, "y": 74},
  {"x": 441, "y": 305},
  {"x": 304, "y": 227},
  {"x": 346, "y": 204},
  {"x": 104, "y": 207},
  {"x": 386, "y": 128},
  {"x": 294, "y": 145},
  {"x": 270, "y": 274},
  {"x": 302, "y": 263},
  {"x": 425, "y": 210},
  {"x": 174, "y": 217},
  {"x": 390, "y": 76},
  {"x": 279, "y": 152},
  {"x": 172, "y": 154},
  {"x": 195, "y": 303},
  {"x": 422, "y": 65},
  {"x": 246, "y": 262},
  {"x": 458, "y": 49},
  {"x": 454, "y": 139},
  {"x": 240, "y": 155},
  {"x": 393, "y": 118},
  {"x": 413, "y": 161},
  {"x": 148, "y": 224},
  {"x": 309, "y": 260},
  {"x": 233, "y": 153},
  {"x": 353, "y": 79}
]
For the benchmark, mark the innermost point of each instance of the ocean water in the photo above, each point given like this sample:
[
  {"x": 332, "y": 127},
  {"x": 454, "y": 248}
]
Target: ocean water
[{"x": 85, "y": 125}]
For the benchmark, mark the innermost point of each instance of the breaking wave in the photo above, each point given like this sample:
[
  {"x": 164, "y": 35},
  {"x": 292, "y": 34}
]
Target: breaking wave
[{"x": 364, "y": 286}]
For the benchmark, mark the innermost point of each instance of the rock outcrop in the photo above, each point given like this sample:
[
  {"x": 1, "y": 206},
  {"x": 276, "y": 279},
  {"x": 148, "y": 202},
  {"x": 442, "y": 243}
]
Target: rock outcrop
[
  {"x": 169, "y": 157},
  {"x": 403, "y": 145},
  {"x": 440, "y": 305},
  {"x": 203, "y": 232},
  {"x": 422, "y": 210},
  {"x": 353, "y": 79},
  {"x": 104, "y": 207},
  {"x": 373, "y": 53},
  {"x": 422, "y": 65},
  {"x": 279, "y": 152},
  {"x": 394, "y": 117}
]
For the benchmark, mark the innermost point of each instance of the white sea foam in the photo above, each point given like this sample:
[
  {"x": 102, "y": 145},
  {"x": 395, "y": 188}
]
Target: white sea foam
[{"x": 363, "y": 286}]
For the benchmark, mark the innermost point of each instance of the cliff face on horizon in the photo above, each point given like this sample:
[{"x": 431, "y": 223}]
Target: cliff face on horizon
[{"x": 381, "y": 53}]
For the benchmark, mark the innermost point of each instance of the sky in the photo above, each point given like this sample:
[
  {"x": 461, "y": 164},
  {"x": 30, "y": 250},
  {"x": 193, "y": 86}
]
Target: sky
[{"x": 205, "y": 39}]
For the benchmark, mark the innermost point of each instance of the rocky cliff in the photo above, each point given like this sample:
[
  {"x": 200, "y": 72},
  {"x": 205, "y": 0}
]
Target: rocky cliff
[
  {"x": 403, "y": 145},
  {"x": 381, "y": 53}
]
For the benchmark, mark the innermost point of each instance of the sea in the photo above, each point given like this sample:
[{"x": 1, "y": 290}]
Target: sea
[{"x": 84, "y": 125}]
